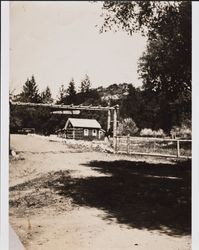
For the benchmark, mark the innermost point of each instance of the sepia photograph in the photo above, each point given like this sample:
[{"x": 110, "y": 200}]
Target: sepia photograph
[{"x": 100, "y": 125}]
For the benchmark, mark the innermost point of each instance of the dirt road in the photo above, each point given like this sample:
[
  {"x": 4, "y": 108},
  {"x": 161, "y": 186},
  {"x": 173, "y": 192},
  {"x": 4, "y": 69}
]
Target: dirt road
[{"x": 62, "y": 198}]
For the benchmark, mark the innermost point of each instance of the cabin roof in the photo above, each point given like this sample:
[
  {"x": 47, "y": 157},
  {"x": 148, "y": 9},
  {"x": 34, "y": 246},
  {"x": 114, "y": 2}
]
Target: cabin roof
[{"x": 83, "y": 123}]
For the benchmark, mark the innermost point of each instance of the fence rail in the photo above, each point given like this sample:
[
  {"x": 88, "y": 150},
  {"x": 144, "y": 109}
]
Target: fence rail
[{"x": 175, "y": 148}]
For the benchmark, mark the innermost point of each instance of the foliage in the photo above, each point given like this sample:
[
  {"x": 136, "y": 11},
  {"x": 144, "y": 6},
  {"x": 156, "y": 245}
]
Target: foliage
[
  {"x": 30, "y": 92},
  {"x": 46, "y": 96},
  {"x": 182, "y": 132},
  {"x": 147, "y": 132},
  {"x": 134, "y": 16},
  {"x": 159, "y": 133},
  {"x": 39, "y": 118},
  {"x": 62, "y": 95},
  {"x": 85, "y": 84},
  {"x": 131, "y": 104},
  {"x": 165, "y": 67},
  {"x": 86, "y": 95},
  {"x": 71, "y": 92},
  {"x": 142, "y": 106},
  {"x": 127, "y": 127},
  {"x": 16, "y": 122}
]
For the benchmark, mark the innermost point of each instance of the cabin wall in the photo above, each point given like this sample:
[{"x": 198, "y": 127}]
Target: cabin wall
[
  {"x": 74, "y": 133},
  {"x": 78, "y": 134}
]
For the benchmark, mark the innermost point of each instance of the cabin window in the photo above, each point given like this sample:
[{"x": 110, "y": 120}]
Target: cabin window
[
  {"x": 94, "y": 132},
  {"x": 85, "y": 132}
]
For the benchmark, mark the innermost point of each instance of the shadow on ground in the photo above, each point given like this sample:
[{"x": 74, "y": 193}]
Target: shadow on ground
[{"x": 138, "y": 194}]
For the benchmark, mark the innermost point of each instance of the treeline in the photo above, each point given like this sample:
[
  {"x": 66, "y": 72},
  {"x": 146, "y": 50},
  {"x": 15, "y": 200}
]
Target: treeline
[
  {"x": 41, "y": 118},
  {"x": 144, "y": 107},
  {"x": 68, "y": 94}
]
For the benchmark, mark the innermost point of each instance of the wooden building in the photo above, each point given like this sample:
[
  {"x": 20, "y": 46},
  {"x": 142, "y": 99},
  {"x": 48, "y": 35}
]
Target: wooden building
[{"x": 83, "y": 129}]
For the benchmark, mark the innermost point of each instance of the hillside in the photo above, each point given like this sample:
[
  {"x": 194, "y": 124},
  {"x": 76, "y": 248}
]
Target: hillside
[{"x": 113, "y": 92}]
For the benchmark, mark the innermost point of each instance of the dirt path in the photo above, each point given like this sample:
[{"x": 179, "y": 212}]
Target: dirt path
[{"x": 64, "y": 199}]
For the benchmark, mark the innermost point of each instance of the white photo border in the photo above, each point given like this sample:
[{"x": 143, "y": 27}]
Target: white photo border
[
  {"x": 4, "y": 207},
  {"x": 195, "y": 125}
]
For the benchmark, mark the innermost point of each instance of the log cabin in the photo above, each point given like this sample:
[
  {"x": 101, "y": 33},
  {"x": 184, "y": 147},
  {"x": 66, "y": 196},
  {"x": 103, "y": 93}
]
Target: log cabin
[{"x": 83, "y": 129}]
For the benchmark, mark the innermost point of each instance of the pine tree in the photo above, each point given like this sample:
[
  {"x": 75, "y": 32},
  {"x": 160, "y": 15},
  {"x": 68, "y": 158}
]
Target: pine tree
[
  {"x": 85, "y": 84},
  {"x": 62, "y": 95},
  {"x": 30, "y": 92},
  {"x": 71, "y": 92},
  {"x": 46, "y": 96}
]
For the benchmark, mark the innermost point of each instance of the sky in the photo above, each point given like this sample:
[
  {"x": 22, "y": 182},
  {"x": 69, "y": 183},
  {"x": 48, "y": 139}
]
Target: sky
[{"x": 56, "y": 41}]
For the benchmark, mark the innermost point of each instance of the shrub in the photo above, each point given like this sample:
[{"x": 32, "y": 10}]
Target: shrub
[
  {"x": 181, "y": 132},
  {"x": 127, "y": 127},
  {"x": 147, "y": 132},
  {"x": 159, "y": 133}
]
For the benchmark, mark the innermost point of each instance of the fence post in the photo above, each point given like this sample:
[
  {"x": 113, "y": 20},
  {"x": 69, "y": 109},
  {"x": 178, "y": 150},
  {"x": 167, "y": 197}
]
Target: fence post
[
  {"x": 178, "y": 148},
  {"x": 116, "y": 144},
  {"x": 154, "y": 144},
  {"x": 128, "y": 144}
]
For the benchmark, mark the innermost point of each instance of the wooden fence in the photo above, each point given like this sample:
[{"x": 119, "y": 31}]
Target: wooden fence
[{"x": 153, "y": 146}]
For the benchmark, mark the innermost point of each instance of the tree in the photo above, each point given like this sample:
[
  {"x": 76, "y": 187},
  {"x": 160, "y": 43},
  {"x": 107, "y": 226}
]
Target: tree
[
  {"x": 46, "y": 96},
  {"x": 130, "y": 106},
  {"x": 165, "y": 67},
  {"x": 133, "y": 16},
  {"x": 62, "y": 95},
  {"x": 85, "y": 84},
  {"x": 30, "y": 92},
  {"x": 71, "y": 92},
  {"x": 85, "y": 90}
]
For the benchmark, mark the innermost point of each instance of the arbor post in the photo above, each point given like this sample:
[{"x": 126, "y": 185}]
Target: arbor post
[
  {"x": 115, "y": 128},
  {"x": 109, "y": 120}
]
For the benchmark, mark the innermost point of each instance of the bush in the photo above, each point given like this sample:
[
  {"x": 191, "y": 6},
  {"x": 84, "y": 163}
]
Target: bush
[
  {"x": 147, "y": 132},
  {"x": 127, "y": 127},
  {"x": 181, "y": 132},
  {"x": 159, "y": 133}
]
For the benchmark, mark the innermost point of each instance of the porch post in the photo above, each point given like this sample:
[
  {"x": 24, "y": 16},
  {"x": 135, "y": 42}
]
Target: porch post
[{"x": 73, "y": 133}]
